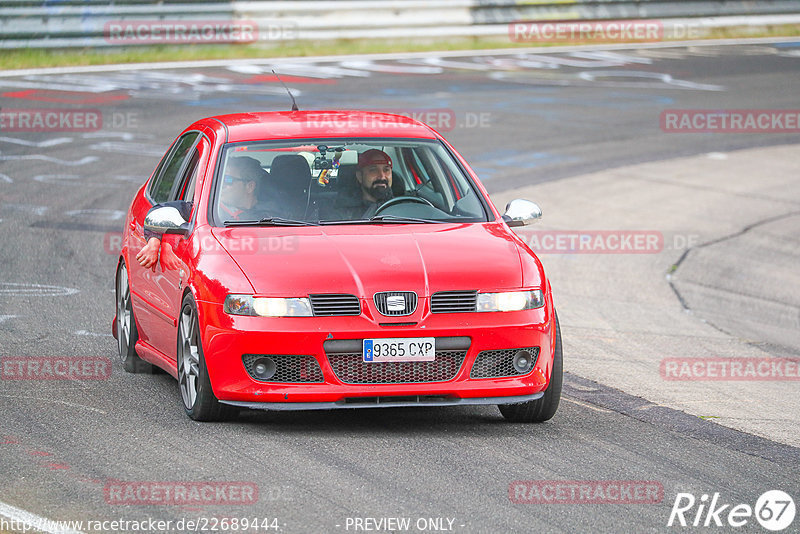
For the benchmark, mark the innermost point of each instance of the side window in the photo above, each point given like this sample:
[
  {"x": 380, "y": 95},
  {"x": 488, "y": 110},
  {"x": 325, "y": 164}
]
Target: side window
[
  {"x": 186, "y": 193},
  {"x": 161, "y": 186}
]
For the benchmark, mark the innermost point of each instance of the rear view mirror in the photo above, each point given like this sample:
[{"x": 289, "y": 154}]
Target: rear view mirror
[
  {"x": 520, "y": 212},
  {"x": 166, "y": 220}
]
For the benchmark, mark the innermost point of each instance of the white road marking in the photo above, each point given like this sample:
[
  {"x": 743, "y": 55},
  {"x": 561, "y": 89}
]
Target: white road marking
[
  {"x": 87, "y": 333},
  {"x": 37, "y": 144},
  {"x": 34, "y": 290},
  {"x": 299, "y": 69},
  {"x": 30, "y": 208},
  {"x": 39, "y": 523},
  {"x": 57, "y": 178},
  {"x": 392, "y": 69},
  {"x": 56, "y": 401},
  {"x": 5, "y": 178},
  {"x": 450, "y": 64},
  {"x": 4, "y": 318},
  {"x": 111, "y": 215},
  {"x": 125, "y": 136},
  {"x": 83, "y": 161},
  {"x": 123, "y": 147},
  {"x": 281, "y": 62},
  {"x": 72, "y": 180},
  {"x": 606, "y": 80},
  {"x": 33, "y": 83},
  {"x": 586, "y": 405},
  {"x": 582, "y": 388}
]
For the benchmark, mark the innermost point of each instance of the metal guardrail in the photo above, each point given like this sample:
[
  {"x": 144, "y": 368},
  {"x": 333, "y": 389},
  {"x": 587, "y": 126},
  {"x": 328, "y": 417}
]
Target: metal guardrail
[{"x": 85, "y": 23}]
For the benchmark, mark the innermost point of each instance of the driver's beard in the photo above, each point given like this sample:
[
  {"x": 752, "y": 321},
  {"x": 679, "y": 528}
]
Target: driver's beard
[{"x": 381, "y": 194}]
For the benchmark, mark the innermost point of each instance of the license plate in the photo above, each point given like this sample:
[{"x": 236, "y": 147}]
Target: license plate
[{"x": 408, "y": 349}]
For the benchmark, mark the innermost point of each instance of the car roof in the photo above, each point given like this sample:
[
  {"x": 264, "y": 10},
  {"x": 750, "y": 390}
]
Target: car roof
[{"x": 317, "y": 124}]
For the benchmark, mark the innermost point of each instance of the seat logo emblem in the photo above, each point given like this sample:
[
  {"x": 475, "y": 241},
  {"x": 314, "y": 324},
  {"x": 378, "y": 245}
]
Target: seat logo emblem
[{"x": 396, "y": 303}]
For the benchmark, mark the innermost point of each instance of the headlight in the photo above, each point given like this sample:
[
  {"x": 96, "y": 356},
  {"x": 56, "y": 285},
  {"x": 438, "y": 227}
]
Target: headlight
[
  {"x": 510, "y": 301},
  {"x": 267, "y": 306}
]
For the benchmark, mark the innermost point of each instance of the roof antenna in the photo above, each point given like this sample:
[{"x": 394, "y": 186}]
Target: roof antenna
[{"x": 294, "y": 104}]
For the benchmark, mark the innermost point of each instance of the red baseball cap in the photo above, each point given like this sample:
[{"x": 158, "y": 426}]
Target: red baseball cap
[{"x": 373, "y": 156}]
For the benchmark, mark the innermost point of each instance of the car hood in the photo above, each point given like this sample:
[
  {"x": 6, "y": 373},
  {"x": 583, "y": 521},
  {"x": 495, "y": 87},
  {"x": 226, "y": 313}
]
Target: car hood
[{"x": 362, "y": 260}]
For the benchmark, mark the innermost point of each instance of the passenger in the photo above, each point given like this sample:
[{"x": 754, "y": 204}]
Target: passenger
[
  {"x": 237, "y": 201},
  {"x": 237, "y": 197}
]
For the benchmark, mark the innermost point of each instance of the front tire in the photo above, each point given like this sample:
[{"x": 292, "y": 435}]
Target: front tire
[
  {"x": 127, "y": 333},
  {"x": 199, "y": 400},
  {"x": 543, "y": 409}
]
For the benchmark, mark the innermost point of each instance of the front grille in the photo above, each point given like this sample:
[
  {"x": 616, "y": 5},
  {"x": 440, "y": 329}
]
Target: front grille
[
  {"x": 335, "y": 304},
  {"x": 393, "y": 303},
  {"x": 351, "y": 369},
  {"x": 454, "y": 301},
  {"x": 288, "y": 368},
  {"x": 499, "y": 363}
]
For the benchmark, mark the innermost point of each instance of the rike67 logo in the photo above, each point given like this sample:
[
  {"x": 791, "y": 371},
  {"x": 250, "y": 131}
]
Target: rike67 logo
[{"x": 774, "y": 510}]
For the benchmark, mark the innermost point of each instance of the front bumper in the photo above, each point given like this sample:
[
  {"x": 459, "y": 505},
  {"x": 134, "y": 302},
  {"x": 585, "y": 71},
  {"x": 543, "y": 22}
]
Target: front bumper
[
  {"x": 383, "y": 402},
  {"x": 227, "y": 338}
]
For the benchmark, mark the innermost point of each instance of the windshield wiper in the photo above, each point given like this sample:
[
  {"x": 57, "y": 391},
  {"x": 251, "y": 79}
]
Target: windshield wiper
[
  {"x": 390, "y": 219},
  {"x": 400, "y": 219},
  {"x": 271, "y": 221}
]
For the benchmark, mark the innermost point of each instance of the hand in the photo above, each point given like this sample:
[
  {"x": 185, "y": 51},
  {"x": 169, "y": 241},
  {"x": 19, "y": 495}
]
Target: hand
[
  {"x": 148, "y": 256},
  {"x": 169, "y": 261}
]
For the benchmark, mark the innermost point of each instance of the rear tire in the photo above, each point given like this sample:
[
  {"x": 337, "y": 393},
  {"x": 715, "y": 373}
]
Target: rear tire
[
  {"x": 127, "y": 333},
  {"x": 543, "y": 409},
  {"x": 199, "y": 400}
]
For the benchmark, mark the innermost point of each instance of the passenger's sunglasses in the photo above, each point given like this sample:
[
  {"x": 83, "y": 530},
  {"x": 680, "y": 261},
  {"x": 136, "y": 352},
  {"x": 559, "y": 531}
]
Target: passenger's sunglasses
[{"x": 229, "y": 179}]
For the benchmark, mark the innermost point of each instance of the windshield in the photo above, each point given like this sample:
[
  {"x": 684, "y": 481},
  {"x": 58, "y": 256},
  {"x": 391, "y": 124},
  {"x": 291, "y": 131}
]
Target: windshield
[{"x": 336, "y": 181}]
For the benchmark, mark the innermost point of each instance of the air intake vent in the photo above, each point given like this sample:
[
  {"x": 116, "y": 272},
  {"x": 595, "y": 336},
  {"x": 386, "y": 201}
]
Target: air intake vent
[
  {"x": 351, "y": 368},
  {"x": 329, "y": 305},
  {"x": 454, "y": 301},
  {"x": 393, "y": 303}
]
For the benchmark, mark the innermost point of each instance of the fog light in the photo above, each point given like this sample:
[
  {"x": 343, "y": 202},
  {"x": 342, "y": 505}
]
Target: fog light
[
  {"x": 523, "y": 361},
  {"x": 264, "y": 368}
]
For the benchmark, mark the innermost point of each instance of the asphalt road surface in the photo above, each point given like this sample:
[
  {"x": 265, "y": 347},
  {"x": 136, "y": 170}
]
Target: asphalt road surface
[{"x": 521, "y": 119}]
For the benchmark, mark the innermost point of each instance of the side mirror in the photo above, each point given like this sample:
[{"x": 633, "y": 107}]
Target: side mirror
[
  {"x": 520, "y": 212},
  {"x": 166, "y": 220}
]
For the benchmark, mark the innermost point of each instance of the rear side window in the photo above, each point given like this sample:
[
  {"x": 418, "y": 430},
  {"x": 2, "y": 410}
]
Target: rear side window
[
  {"x": 190, "y": 177},
  {"x": 161, "y": 186}
]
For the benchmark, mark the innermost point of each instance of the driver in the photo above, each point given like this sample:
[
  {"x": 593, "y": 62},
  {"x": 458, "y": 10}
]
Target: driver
[{"x": 374, "y": 178}]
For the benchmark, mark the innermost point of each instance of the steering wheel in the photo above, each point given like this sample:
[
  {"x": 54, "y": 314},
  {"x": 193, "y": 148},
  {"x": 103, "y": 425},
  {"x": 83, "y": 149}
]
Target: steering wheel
[{"x": 399, "y": 200}]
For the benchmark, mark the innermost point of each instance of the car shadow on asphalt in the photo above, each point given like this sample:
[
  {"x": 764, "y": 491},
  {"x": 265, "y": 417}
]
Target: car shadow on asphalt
[{"x": 453, "y": 421}]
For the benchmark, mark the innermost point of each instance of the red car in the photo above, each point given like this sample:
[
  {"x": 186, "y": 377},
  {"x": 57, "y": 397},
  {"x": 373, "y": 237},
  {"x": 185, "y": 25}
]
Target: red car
[{"x": 337, "y": 259}]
